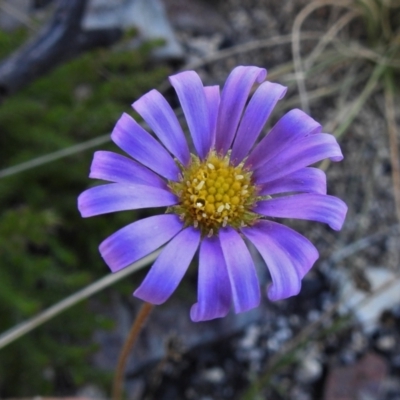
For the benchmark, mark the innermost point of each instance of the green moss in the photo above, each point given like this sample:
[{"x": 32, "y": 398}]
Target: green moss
[{"x": 47, "y": 250}]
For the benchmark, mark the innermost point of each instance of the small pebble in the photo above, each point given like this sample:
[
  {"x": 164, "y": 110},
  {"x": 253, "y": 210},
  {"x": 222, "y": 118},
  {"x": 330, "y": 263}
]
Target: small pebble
[
  {"x": 294, "y": 320},
  {"x": 358, "y": 341},
  {"x": 250, "y": 338},
  {"x": 214, "y": 375},
  {"x": 283, "y": 335},
  {"x": 348, "y": 356},
  {"x": 310, "y": 368},
  {"x": 273, "y": 344},
  {"x": 282, "y": 322},
  {"x": 395, "y": 359},
  {"x": 386, "y": 343},
  {"x": 313, "y": 315}
]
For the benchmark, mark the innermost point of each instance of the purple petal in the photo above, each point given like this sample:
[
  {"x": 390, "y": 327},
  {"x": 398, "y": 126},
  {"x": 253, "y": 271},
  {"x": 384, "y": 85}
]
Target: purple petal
[
  {"x": 190, "y": 91},
  {"x": 213, "y": 99},
  {"x": 214, "y": 291},
  {"x": 113, "y": 197},
  {"x": 138, "y": 239},
  {"x": 288, "y": 255},
  {"x": 233, "y": 99},
  {"x": 294, "y": 125},
  {"x": 315, "y": 207},
  {"x": 113, "y": 167},
  {"x": 141, "y": 146},
  {"x": 257, "y": 112},
  {"x": 168, "y": 270},
  {"x": 159, "y": 115},
  {"x": 298, "y": 155},
  {"x": 306, "y": 180},
  {"x": 242, "y": 273}
]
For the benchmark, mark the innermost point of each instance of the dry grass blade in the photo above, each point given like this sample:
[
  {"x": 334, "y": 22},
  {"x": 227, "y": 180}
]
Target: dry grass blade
[
  {"x": 329, "y": 37},
  {"x": 296, "y": 33},
  {"x": 57, "y": 155},
  {"x": 32, "y": 323},
  {"x": 371, "y": 6},
  {"x": 355, "y": 74},
  {"x": 356, "y": 50},
  {"x": 18, "y": 15},
  {"x": 253, "y": 45},
  {"x": 353, "y": 108},
  {"x": 357, "y": 104}
]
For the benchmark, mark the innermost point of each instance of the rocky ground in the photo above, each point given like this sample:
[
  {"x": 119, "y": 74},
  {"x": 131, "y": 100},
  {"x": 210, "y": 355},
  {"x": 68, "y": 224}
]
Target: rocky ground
[
  {"x": 308, "y": 347},
  {"x": 340, "y": 338}
]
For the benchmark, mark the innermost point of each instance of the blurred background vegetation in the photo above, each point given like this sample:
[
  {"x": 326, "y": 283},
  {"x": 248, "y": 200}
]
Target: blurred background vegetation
[{"x": 46, "y": 251}]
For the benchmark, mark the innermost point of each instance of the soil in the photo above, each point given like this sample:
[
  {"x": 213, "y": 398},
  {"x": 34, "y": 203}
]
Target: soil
[{"x": 303, "y": 348}]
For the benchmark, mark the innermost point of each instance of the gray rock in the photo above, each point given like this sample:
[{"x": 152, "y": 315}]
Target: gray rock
[
  {"x": 366, "y": 307},
  {"x": 196, "y": 17},
  {"x": 310, "y": 368},
  {"x": 386, "y": 343},
  {"x": 214, "y": 375},
  {"x": 148, "y": 16}
]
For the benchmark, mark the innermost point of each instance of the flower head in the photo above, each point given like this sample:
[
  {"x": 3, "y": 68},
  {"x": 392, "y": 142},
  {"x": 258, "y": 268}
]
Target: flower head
[{"x": 218, "y": 195}]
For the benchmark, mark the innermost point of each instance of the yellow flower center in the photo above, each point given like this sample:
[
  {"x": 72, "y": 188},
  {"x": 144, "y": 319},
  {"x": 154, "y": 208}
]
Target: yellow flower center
[{"x": 214, "y": 194}]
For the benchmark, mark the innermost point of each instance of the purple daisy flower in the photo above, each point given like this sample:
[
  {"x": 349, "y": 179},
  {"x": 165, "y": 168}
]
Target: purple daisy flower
[{"x": 218, "y": 195}]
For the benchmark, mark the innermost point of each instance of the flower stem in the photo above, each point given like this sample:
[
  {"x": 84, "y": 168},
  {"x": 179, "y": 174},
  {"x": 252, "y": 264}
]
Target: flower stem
[{"x": 130, "y": 341}]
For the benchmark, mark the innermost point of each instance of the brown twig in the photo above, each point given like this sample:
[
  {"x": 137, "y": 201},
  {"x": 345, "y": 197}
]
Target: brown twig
[
  {"x": 130, "y": 341},
  {"x": 60, "y": 40}
]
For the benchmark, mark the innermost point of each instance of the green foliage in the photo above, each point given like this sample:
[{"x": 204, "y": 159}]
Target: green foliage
[
  {"x": 382, "y": 21},
  {"x": 47, "y": 251},
  {"x": 381, "y": 18},
  {"x": 9, "y": 43}
]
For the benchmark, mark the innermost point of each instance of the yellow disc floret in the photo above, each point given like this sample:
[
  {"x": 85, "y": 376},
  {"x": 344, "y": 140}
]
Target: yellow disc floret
[{"x": 214, "y": 194}]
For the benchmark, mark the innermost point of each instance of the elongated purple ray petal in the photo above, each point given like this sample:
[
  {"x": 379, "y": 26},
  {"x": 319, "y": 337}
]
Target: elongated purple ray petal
[
  {"x": 159, "y": 115},
  {"x": 241, "y": 270},
  {"x": 213, "y": 99},
  {"x": 300, "y": 154},
  {"x": 190, "y": 91},
  {"x": 141, "y": 146},
  {"x": 233, "y": 99},
  {"x": 306, "y": 180},
  {"x": 294, "y": 125},
  {"x": 113, "y": 197},
  {"x": 310, "y": 206},
  {"x": 257, "y": 112},
  {"x": 214, "y": 291},
  {"x": 138, "y": 239},
  {"x": 113, "y": 167},
  {"x": 168, "y": 270},
  {"x": 288, "y": 255}
]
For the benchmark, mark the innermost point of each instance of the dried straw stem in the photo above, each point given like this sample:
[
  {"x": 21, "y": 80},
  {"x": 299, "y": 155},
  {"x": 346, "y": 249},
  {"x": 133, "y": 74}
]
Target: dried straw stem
[
  {"x": 130, "y": 341},
  {"x": 298, "y": 22}
]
